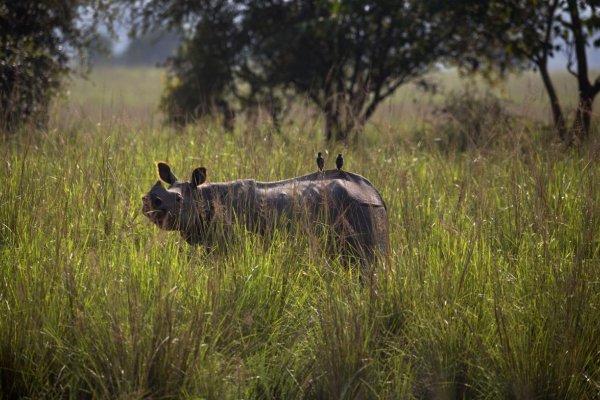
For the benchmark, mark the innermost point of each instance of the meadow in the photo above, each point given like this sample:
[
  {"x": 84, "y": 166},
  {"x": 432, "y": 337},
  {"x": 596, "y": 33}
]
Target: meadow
[{"x": 491, "y": 290}]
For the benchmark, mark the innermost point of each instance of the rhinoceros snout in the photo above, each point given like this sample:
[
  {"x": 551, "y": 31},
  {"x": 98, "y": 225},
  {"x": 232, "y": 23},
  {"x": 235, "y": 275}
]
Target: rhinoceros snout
[
  {"x": 151, "y": 200},
  {"x": 156, "y": 201},
  {"x": 152, "y": 207}
]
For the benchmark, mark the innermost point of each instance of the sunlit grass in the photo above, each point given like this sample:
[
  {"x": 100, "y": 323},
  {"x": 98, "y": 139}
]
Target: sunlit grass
[{"x": 492, "y": 291}]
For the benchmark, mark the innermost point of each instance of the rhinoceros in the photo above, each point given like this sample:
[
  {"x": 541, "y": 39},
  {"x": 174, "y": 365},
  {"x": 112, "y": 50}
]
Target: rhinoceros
[{"x": 347, "y": 205}]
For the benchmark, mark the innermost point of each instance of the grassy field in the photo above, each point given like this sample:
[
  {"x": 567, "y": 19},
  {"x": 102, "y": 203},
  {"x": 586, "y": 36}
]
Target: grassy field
[{"x": 492, "y": 290}]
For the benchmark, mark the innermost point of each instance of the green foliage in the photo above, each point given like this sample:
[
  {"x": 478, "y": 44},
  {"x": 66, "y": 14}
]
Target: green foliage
[
  {"x": 200, "y": 75},
  {"x": 344, "y": 57},
  {"x": 470, "y": 120},
  {"x": 37, "y": 40},
  {"x": 526, "y": 34},
  {"x": 347, "y": 57}
]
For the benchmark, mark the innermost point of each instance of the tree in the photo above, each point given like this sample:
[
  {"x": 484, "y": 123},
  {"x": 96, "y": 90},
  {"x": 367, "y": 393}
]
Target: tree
[
  {"x": 200, "y": 75},
  {"x": 37, "y": 41},
  {"x": 527, "y": 33},
  {"x": 583, "y": 25},
  {"x": 346, "y": 57}
]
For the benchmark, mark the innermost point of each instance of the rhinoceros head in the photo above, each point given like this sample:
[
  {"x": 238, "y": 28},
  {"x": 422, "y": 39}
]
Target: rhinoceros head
[{"x": 171, "y": 208}]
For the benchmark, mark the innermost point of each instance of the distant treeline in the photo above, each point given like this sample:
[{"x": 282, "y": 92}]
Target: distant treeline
[
  {"x": 343, "y": 57},
  {"x": 148, "y": 50}
]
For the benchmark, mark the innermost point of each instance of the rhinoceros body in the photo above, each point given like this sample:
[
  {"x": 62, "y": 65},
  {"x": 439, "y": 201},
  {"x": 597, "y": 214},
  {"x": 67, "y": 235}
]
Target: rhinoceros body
[{"x": 347, "y": 205}]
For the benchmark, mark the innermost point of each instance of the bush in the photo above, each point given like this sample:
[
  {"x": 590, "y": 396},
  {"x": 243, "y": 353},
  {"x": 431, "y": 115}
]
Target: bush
[
  {"x": 470, "y": 120},
  {"x": 37, "y": 40},
  {"x": 200, "y": 74}
]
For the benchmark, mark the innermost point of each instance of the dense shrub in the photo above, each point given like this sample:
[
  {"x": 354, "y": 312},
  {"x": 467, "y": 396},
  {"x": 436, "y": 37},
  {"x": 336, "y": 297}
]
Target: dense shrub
[
  {"x": 37, "y": 42},
  {"x": 470, "y": 120},
  {"x": 199, "y": 74}
]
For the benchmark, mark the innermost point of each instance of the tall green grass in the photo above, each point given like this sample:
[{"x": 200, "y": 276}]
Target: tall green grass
[{"x": 492, "y": 290}]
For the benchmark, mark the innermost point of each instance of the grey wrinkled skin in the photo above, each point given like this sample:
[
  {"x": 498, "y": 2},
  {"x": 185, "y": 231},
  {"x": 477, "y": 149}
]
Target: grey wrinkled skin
[{"x": 345, "y": 204}]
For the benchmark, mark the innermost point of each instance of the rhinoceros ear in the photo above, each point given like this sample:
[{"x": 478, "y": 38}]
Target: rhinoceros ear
[
  {"x": 199, "y": 176},
  {"x": 164, "y": 172}
]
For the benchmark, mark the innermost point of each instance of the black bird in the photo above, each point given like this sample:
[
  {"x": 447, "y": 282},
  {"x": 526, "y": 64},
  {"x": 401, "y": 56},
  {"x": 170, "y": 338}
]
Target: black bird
[
  {"x": 320, "y": 162},
  {"x": 339, "y": 162}
]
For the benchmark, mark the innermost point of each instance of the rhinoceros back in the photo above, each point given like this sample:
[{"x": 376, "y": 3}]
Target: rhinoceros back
[{"x": 353, "y": 207}]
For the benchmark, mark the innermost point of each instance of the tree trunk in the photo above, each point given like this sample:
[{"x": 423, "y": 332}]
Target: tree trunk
[
  {"x": 587, "y": 91},
  {"x": 329, "y": 127},
  {"x": 227, "y": 115},
  {"x": 337, "y": 125},
  {"x": 335, "y": 129},
  {"x": 557, "y": 114},
  {"x": 583, "y": 116}
]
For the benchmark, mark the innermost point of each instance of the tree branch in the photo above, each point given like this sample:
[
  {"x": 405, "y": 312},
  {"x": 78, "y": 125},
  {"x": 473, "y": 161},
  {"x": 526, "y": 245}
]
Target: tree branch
[
  {"x": 596, "y": 86},
  {"x": 579, "y": 44},
  {"x": 570, "y": 69},
  {"x": 548, "y": 33}
]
